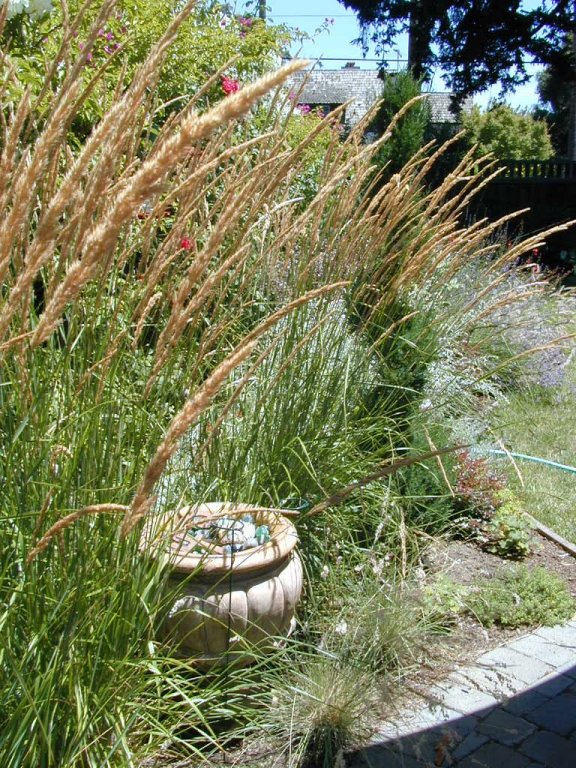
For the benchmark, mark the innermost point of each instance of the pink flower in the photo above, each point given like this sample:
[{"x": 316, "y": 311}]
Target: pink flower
[
  {"x": 230, "y": 85},
  {"x": 304, "y": 109},
  {"x": 186, "y": 244}
]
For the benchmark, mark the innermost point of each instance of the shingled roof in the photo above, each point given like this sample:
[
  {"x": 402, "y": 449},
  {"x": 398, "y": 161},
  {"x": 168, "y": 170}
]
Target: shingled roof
[{"x": 331, "y": 87}]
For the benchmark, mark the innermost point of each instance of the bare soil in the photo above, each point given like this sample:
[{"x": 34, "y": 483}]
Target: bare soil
[{"x": 465, "y": 563}]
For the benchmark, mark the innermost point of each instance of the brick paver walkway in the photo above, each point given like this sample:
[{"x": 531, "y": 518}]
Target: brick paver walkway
[{"x": 514, "y": 708}]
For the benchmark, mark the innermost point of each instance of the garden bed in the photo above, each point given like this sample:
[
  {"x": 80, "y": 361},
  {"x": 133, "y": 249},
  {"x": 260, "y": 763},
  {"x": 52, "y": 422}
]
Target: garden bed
[{"x": 465, "y": 563}]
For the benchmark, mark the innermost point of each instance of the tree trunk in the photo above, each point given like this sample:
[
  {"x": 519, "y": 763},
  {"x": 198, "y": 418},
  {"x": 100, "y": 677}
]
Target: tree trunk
[
  {"x": 262, "y": 9},
  {"x": 571, "y": 149},
  {"x": 419, "y": 41}
]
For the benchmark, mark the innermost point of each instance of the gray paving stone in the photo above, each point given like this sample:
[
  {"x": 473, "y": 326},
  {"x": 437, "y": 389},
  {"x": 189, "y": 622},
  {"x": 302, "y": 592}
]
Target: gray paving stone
[
  {"x": 425, "y": 718},
  {"x": 506, "y": 728},
  {"x": 525, "y": 701},
  {"x": 562, "y": 635},
  {"x": 496, "y": 682},
  {"x": 515, "y": 664},
  {"x": 550, "y": 749},
  {"x": 435, "y": 714},
  {"x": 493, "y": 755},
  {"x": 472, "y": 742},
  {"x": 554, "y": 685},
  {"x": 557, "y": 715},
  {"x": 537, "y": 647},
  {"x": 462, "y": 697},
  {"x": 380, "y": 757},
  {"x": 421, "y": 746}
]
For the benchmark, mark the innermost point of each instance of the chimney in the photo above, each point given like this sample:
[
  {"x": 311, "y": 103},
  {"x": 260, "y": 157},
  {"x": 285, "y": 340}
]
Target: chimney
[{"x": 350, "y": 65}]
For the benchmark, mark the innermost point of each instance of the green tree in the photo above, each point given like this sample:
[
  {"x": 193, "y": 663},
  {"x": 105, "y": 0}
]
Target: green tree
[
  {"x": 410, "y": 131},
  {"x": 509, "y": 134},
  {"x": 477, "y": 43},
  {"x": 209, "y": 39},
  {"x": 554, "y": 92}
]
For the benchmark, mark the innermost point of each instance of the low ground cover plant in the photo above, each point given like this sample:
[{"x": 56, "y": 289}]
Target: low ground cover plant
[{"x": 522, "y": 597}]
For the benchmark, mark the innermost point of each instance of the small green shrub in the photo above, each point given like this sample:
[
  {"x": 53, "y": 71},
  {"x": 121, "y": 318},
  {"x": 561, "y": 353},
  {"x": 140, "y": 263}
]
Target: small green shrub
[
  {"x": 523, "y": 597},
  {"x": 445, "y": 599},
  {"x": 509, "y": 532},
  {"x": 409, "y": 135}
]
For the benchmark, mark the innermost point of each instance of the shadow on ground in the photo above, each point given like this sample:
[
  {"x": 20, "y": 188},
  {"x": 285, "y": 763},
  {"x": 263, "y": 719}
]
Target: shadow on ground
[{"x": 533, "y": 729}]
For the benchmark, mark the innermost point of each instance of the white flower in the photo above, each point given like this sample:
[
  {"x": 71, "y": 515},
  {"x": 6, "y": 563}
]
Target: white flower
[
  {"x": 34, "y": 8},
  {"x": 15, "y": 7},
  {"x": 224, "y": 22},
  {"x": 341, "y": 628},
  {"x": 37, "y": 8}
]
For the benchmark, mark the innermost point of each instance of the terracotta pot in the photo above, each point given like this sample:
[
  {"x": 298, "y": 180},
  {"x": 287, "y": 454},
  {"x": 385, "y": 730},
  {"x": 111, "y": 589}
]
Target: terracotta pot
[{"x": 228, "y": 598}]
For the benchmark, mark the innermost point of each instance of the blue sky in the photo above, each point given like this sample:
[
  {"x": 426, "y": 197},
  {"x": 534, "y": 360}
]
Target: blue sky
[{"x": 309, "y": 15}]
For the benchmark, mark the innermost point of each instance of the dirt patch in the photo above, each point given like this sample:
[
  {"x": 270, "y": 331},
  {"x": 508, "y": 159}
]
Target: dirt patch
[{"x": 465, "y": 563}]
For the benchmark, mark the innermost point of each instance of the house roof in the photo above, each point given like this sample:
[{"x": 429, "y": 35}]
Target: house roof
[{"x": 363, "y": 87}]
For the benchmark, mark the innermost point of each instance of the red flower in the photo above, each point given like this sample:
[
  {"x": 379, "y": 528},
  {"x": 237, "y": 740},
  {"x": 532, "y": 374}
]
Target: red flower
[
  {"x": 230, "y": 85},
  {"x": 186, "y": 244}
]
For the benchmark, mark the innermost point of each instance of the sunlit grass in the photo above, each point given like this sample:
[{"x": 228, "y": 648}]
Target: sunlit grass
[{"x": 541, "y": 422}]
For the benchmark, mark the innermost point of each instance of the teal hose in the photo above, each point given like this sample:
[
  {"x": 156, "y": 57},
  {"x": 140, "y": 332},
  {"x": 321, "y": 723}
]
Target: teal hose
[{"x": 554, "y": 464}]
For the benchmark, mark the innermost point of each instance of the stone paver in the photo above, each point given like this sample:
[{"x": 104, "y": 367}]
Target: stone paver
[
  {"x": 514, "y": 708},
  {"x": 557, "y": 714},
  {"x": 461, "y": 696},
  {"x": 562, "y": 635},
  {"x": 536, "y": 647},
  {"x": 505, "y": 728},
  {"x": 496, "y": 682},
  {"x": 516, "y": 664},
  {"x": 551, "y": 750},
  {"x": 494, "y": 755}
]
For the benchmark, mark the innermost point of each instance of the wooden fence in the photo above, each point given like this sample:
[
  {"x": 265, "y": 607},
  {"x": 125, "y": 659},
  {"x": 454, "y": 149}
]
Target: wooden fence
[
  {"x": 548, "y": 189},
  {"x": 536, "y": 171}
]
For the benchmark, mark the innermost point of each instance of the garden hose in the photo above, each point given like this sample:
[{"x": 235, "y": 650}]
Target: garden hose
[{"x": 537, "y": 460}]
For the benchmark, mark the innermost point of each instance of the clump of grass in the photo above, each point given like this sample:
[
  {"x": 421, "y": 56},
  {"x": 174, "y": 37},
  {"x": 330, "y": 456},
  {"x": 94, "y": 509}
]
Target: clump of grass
[
  {"x": 522, "y": 597},
  {"x": 320, "y": 709}
]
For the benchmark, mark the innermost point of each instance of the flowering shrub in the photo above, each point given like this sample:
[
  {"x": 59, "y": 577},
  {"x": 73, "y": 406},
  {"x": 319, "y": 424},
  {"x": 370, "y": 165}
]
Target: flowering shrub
[{"x": 230, "y": 85}]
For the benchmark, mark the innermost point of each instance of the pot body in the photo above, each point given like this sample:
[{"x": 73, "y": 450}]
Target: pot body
[
  {"x": 217, "y": 614},
  {"x": 225, "y": 601}
]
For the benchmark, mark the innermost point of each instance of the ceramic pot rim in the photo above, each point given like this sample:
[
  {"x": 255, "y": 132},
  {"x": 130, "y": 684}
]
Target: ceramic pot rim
[{"x": 163, "y": 535}]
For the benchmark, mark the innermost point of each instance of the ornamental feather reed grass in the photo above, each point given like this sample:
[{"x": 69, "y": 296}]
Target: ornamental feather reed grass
[{"x": 176, "y": 322}]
